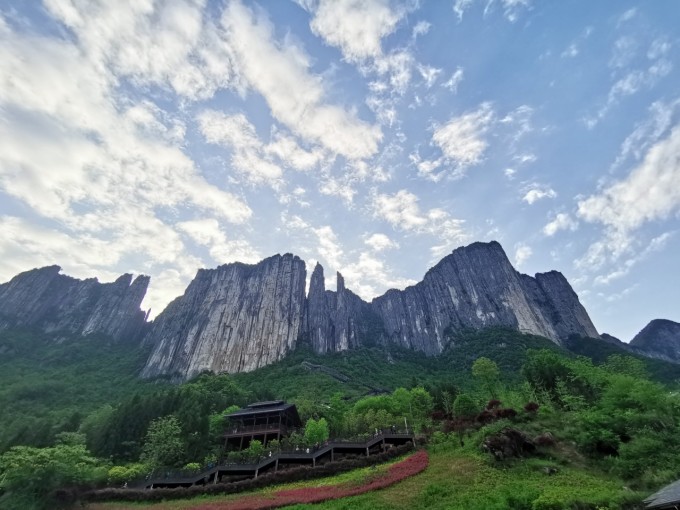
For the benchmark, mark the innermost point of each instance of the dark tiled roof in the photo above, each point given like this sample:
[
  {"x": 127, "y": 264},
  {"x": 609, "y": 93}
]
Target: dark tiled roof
[
  {"x": 268, "y": 403},
  {"x": 275, "y": 407},
  {"x": 667, "y": 496}
]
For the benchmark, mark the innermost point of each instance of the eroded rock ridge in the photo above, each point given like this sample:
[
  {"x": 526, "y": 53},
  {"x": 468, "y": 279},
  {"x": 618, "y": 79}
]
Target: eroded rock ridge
[{"x": 45, "y": 299}]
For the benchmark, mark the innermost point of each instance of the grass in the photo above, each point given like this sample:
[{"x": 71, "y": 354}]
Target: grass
[
  {"x": 456, "y": 479},
  {"x": 355, "y": 477}
]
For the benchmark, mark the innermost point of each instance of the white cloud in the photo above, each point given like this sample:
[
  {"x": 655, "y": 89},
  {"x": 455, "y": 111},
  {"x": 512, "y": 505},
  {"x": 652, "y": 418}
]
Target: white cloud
[
  {"x": 656, "y": 244},
  {"x": 280, "y": 73},
  {"x": 356, "y": 27},
  {"x": 402, "y": 211},
  {"x": 536, "y": 192},
  {"x": 455, "y": 80},
  {"x": 380, "y": 242},
  {"x": 634, "y": 80},
  {"x": 207, "y": 232},
  {"x": 421, "y": 28},
  {"x": 562, "y": 221},
  {"x": 522, "y": 254},
  {"x": 511, "y": 8},
  {"x": 429, "y": 74},
  {"x": 462, "y": 139},
  {"x": 648, "y": 132},
  {"x": 369, "y": 276},
  {"x": 651, "y": 192},
  {"x": 165, "y": 43},
  {"x": 238, "y": 134}
]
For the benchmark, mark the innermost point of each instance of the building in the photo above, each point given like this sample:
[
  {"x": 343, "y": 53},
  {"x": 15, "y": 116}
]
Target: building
[
  {"x": 264, "y": 421},
  {"x": 667, "y": 498}
]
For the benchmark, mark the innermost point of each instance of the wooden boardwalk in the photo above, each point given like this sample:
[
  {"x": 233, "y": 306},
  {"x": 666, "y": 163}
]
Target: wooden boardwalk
[{"x": 310, "y": 457}]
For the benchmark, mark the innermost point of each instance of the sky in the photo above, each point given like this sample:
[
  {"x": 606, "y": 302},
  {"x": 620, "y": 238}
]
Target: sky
[{"x": 374, "y": 137}]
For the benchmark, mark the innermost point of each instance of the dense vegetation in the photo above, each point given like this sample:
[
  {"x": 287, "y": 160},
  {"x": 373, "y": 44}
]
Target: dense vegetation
[{"x": 74, "y": 413}]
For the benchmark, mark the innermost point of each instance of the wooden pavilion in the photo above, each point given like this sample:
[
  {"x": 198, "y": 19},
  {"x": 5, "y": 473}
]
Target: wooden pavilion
[{"x": 264, "y": 421}]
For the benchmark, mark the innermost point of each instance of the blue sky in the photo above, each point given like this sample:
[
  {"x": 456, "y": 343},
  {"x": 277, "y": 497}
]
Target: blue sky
[{"x": 159, "y": 137}]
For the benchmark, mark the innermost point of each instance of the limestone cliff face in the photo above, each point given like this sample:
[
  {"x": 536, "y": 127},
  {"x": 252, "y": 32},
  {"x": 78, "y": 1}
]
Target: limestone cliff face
[
  {"x": 659, "y": 339},
  {"x": 337, "y": 321},
  {"x": 477, "y": 287},
  {"x": 53, "y": 302},
  {"x": 235, "y": 318}
]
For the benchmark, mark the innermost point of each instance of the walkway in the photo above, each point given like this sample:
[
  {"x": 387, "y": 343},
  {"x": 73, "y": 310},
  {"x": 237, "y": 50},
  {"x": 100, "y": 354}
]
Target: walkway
[{"x": 214, "y": 473}]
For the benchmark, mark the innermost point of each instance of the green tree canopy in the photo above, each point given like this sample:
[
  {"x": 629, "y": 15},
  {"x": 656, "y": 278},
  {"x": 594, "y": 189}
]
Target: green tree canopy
[
  {"x": 316, "y": 431},
  {"x": 487, "y": 372},
  {"x": 464, "y": 406},
  {"x": 163, "y": 445}
]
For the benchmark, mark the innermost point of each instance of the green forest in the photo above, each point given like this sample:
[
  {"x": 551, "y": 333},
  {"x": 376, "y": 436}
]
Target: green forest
[{"x": 607, "y": 423}]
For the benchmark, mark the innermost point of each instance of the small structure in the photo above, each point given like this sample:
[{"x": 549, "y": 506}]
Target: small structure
[
  {"x": 264, "y": 421},
  {"x": 667, "y": 498}
]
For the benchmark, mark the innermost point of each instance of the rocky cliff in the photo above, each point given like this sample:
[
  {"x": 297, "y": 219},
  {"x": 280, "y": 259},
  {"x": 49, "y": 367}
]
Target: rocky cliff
[
  {"x": 45, "y": 299},
  {"x": 235, "y": 318},
  {"x": 240, "y": 317},
  {"x": 340, "y": 320},
  {"x": 476, "y": 287},
  {"x": 660, "y": 339}
]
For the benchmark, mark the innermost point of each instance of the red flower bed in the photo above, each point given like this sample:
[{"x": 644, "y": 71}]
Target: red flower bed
[{"x": 395, "y": 473}]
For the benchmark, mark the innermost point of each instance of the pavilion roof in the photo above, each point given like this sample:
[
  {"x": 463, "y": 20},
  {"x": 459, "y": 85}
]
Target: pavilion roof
[{"x": 667, "y": 496}]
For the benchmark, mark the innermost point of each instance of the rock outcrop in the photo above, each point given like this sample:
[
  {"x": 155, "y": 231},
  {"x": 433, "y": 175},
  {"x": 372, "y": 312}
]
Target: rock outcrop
[
  {"x": 45, "y": 299},
  {"x": 477, "y": 287},
  {"x": 659, "y": 339},
  {"x": 340, "y": 320},
  {"x": 235, "y": 318}
]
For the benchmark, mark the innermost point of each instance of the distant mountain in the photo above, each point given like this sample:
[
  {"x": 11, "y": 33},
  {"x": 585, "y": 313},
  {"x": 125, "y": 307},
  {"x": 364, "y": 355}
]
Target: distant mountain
[
  {"x": 660, "y": 338},
  {"x": 239, "y": 317},
  {"x": 52, "y": 302}
]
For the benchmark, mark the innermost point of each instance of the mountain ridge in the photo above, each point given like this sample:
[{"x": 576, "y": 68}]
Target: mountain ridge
[{"x": 238, "y": 317}]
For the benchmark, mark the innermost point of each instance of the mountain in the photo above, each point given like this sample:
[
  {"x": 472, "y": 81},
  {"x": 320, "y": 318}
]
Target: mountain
[
  {"x": 235, "y": 318},
  {"x": 239, "y": 317},
  {"x": 52, "y": 302},
  {"x": 477, "y": 287},
  {"x": 660, "y": 338}
]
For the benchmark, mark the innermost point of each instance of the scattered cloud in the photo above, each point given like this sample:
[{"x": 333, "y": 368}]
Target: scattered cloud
[
  {"x": 651, "y": 192},
  {"x": 535, "y": 192},
  {"x": 562, "y": 221},
  {"x": 455, "y": 80},
  {"x": 402, "y": 211},
  {"x": 511, "y": 8},
  {"x": 522, "y": 254},
  {"x": 462, "y": 142},
  {"x": 295, "y": 96},
  {"x": 380, "y": 242}
]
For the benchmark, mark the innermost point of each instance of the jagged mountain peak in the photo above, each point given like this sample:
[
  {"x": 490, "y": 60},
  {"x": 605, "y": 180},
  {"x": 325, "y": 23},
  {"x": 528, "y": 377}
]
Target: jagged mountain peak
[
  {"x": 659, "y": 338},
  {"x": 46, "y": 299},
  {"x": 239, "y": 317}
]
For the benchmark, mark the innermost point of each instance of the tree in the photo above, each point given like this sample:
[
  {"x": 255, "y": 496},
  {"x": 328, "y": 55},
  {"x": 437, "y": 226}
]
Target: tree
[
  {"x": 487, "y": 372},
  {"x": 422, "y": 405},
  {"x": 30, "y": 475},
  {"x": 316, "y": 431},
  {"x": 464, "y": 406},
  {"x": 163, "y": 445}
]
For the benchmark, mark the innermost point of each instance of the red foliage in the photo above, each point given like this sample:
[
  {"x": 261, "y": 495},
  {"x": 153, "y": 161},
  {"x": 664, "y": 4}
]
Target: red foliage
[
  {"x": 531, "y": 407},
  {"x": 493, "y": 404},
  {"x": 395, "y": 473},
  {"x": 506, "y": 413}
]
